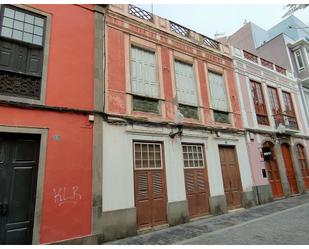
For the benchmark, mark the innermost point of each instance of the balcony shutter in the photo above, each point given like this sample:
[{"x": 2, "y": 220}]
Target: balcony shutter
[
  {"x": 144, "y": 73},
  {"x": 6, "y": 55},
  {"x": 217, "y": 92},
  {"x": 185, "y": 84},
  {"x": 34, "y": 62}
]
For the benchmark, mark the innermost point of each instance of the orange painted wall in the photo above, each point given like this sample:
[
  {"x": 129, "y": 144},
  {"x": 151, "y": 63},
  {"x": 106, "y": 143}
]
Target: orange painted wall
[
  {"x": 68, "y": 164},
  {"x": 71, "y": 56}
]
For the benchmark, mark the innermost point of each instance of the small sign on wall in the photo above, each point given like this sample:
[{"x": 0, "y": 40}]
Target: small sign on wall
[{"x": 267, "y": 153}]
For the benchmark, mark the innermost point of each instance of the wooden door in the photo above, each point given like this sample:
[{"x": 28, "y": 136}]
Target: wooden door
[
  {"x": 231, "y": 176},
  {"x": 303, "y": 164},
  {"x": 150, "y": 186},
  {"x": 288, "y": 163},
  {"x": 273, "y": 173},
  {"x": 19, "y": 156},
  {"x": 196, "y": 180}
]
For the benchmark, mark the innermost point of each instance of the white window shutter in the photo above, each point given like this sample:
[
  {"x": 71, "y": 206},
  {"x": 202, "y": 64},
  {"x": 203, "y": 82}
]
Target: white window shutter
[
  {"x": 217, "y": 92},
  {"x": 185, "y": 84},
  {"x": 144, "y": 73}
]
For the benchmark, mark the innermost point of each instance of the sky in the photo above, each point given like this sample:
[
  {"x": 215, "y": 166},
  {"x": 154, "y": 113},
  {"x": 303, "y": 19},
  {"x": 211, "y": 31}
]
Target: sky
[{"x": 209, "y": 19}]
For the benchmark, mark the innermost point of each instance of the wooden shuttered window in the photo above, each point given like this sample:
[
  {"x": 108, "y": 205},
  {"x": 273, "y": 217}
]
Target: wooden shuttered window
[
  {"x": 259, "y": 103},
  {"x": 218, "y": 92},
  {"x": 218, "y": 97},
  {"x": 301, "y": 153},
  {"x": 144, "y": 73},
  {"x": 21, "y": 52},
  {"x": 185, "y": 84}
]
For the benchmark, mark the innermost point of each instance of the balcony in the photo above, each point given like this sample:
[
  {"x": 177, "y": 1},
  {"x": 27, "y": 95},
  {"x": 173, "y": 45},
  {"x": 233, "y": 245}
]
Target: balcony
[{"x": 287, "y": 121}]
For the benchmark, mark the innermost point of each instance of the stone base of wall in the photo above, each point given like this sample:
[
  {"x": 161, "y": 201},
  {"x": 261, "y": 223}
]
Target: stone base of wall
[
  {"x": 248, "y": 199},
  {"x": 177, "y": 213},
  {"x": 217, "y": 204},
  {"x": 262, "y": 194}
]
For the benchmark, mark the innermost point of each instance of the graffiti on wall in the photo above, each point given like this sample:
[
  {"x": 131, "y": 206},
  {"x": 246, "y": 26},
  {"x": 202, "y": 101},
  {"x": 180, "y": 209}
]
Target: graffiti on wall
[{"x": 64, "y": 195}]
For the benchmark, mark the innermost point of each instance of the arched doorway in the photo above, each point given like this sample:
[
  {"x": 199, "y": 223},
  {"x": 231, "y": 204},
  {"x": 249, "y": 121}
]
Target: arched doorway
[
  {"x": 273, "y": 172},
  {"x": 288, "y": 163},
  {"x": 301, "y": 155}
]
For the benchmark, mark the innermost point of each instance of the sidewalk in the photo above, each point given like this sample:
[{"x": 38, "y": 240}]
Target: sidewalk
[{"x": 177, "y": 234}]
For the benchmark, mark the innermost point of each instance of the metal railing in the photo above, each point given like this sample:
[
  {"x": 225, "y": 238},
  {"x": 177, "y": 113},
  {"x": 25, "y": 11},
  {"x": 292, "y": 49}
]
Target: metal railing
[
  {"x": 140, "y": 13},
  {"x": 181, "y": 30},
  {"x": 250, "y": 56},
  {"x": 288, "y": 120}
]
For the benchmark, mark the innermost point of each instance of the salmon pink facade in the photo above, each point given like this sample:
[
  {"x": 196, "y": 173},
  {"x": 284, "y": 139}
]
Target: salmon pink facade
[{"x": 173, "y": 114}]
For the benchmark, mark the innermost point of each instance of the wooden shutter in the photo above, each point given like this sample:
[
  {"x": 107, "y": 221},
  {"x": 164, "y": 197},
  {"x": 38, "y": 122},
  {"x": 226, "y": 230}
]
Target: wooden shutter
[
  {"x": 34, "y": 62},
  {"x": 185, "y": 84},
  {"x": 288, "y": 103},
  {"x": 20, "y": 58},
  {"x": 217, "y": 92},
  {"x": 144, "y": 73},
  {"x": 6, "y": 55}
]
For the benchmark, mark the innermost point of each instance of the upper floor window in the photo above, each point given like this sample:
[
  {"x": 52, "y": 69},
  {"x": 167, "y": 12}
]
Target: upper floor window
[
  {"x": 289, "y": 117},
  {"x": 299, "y": 60},
  {"x": 144, "y": 83},
  {"x": 259, "y": 103},
  {"x": 186, "y": 90},
  {"x": 274, "y": 104},
  {"x": 21, "y": 52},
  {"x": 219, "y": 98}
]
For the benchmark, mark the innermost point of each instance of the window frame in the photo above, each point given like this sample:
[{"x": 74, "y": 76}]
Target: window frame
[
  {"x": 255, "y": 96},
  {"x": 154, "y": 143},
  {"x": 296, "y": 59},
  {"x": 158, "y": 98},
  {"x": 203, "y": 155},
  {"x": 45, "y": 55}
]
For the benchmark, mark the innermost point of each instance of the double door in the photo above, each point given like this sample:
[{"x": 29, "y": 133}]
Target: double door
[{"x": 19, "y": 154}]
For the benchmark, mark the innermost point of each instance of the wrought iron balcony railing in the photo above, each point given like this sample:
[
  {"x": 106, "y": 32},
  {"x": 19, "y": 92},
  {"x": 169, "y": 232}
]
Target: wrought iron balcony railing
[
  {"x": 140, "y": 13},
  {"x": 286, "y": 119}
]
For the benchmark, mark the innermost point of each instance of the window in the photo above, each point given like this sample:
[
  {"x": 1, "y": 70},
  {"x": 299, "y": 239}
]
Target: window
[
  {"x": 193, "y": 156},
  {"x": 186, "y": 89},
  {"x": 299, "y": 59},
  {"x": 306, "y": 94},
  {"x": 218, "y": 97},
  {"x": 144, "y": 83},
  {"x": 21, "y": 52},
  {"x": 147, "y": 155},
  {"x": 289, "y": 117},
  {"x": 259, "y": 103},
  {"x": 275, "y": 105}
]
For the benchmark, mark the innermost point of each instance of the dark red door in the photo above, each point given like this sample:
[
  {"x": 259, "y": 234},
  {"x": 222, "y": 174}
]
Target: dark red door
[
  {"x": 231, "y": 176},
  {"x": 196, "y": 180},
  {"x": 303, "y": 164},
  {"x": 150, "y": 186},
  {"x": 19, "y": 156},
  {"x": 290, "y": 173},
  {"x": 273, "y": 173}
]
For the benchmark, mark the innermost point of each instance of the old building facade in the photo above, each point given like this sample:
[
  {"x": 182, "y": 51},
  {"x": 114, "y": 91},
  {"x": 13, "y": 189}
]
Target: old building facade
[
  {"x": 157, "y": 169},
  {"x": 277, "y": 134}
]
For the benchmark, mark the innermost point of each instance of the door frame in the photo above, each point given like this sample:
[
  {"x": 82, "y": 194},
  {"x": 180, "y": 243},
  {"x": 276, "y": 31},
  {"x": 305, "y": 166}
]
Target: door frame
[
  {"x": 234, "y": 146},
  {"x": 40, "y": 177},
  {"x": 163, "y": 169}
]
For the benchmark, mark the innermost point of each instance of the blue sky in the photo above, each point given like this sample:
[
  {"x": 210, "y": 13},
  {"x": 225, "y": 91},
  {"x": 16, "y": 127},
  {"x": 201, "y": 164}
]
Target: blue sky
[{"x": 209, "y": 19}]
